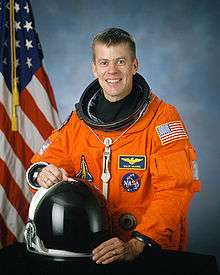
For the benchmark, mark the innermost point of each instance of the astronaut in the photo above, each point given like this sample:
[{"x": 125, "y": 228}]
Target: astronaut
[{"x": 118, "y": 120}]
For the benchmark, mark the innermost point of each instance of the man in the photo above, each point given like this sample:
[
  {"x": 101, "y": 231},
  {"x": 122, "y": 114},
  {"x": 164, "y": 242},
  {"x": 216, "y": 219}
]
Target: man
[{"x": 132, "y": 146}]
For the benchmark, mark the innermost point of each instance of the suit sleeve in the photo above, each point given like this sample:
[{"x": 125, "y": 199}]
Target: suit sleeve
[
  {"x": 174, "y": 180},
  {"x": 57, "y": 149}
]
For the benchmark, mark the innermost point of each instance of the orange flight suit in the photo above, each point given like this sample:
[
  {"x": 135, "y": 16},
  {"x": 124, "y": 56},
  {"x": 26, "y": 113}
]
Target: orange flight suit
[{"x": 156, "y": 191}]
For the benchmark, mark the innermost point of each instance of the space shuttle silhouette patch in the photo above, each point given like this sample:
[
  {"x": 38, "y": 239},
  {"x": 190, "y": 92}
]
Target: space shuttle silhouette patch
[{"x": 84, "y": 170}]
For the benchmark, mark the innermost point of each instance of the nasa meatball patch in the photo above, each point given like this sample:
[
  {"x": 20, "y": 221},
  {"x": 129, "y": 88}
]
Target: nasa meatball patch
[{"x": 131, "y": 182}]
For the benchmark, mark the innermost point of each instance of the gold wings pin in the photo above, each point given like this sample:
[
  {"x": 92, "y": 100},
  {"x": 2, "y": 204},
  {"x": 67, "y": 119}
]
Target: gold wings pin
[{"x": 132, "y": 160}]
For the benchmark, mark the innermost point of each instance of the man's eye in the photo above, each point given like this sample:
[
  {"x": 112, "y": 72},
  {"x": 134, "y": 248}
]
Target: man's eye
[
  {"x": 103, "y": 62},
  {"x": 121, "y": 62}
]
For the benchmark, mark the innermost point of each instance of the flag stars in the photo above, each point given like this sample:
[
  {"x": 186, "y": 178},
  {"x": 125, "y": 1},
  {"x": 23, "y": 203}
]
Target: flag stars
[
  {"x": 17, "y": 44},
  {"x": 26, "y": 7},
  {"x": 28, "y": 26},
  {"x": 17, "y": 7},
  {"x": 5, "y": 61},
  {"x": 28, "y": 44},
  {"x": 28, "y": 62},
  {"x": 17, "y": 25}
]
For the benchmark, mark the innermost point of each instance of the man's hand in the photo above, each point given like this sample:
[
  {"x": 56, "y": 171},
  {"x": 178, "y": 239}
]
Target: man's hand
[
  {"x": 50, "y": 175},
  {"x": 116, "y": 250}
]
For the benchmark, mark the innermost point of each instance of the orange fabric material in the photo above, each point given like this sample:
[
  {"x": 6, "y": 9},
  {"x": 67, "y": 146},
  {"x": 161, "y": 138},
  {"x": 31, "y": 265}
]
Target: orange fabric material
[{"x": 167, "y": 185}]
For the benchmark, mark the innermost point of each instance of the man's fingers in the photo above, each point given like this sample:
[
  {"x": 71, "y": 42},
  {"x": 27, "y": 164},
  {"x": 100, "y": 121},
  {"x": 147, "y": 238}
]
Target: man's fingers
[
  {"x": 108, "y": 257},
  {"x": 98, "y": 253},
  {"x": 42, "y": 184},
  {"x": 109, "y": 251},
  {"x": 104, "y": 244},
  {"x": 114, "y": 254},
  {"x": 51, "y": 175},
  {"x": 48, "y": 175},
  {"x": 64, "y": 174}
]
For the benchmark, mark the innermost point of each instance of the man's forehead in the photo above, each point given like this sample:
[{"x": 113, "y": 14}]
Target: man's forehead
[{"x": 121, "y": 50}]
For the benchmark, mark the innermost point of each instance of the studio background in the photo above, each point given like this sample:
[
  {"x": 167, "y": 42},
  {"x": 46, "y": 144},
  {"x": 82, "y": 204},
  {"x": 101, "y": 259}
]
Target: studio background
[{"x": 178, "y": 48}]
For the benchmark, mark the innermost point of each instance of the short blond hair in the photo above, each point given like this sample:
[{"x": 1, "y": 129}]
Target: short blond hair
[{"x": 114, "y": 36}]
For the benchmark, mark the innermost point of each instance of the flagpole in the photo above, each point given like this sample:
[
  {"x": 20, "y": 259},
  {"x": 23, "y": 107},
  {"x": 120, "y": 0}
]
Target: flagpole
[{"x": 15, "y": 94}]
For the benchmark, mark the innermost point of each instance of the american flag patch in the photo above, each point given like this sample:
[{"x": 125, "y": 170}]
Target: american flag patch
[{"x": 171, "y": 131}]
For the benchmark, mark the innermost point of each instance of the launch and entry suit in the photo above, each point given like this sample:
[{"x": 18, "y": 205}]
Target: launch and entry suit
[{"x": 152, "y": 166}]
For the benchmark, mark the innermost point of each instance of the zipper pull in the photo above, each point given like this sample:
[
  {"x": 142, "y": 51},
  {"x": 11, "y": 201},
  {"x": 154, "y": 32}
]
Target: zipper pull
[{"x": 105, "y": 166}]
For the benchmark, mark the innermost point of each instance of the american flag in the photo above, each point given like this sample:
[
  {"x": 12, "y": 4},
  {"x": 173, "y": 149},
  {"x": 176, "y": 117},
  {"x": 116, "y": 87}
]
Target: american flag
[
  {"x": 36, "y": 114},
  {"x": 171, "y": 131}
]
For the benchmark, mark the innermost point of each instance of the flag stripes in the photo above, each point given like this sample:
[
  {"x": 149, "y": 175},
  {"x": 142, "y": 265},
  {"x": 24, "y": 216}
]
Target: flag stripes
[
  {"x": 33, "y": 112},
  {"x": 13, "y": 164},
  {"x": 36, "y": 116},
  {"x": 22, "y": 204},
  {"x": 11, "y": 217},
  {"x": 42, "y": 100},
  {"x": 42, "y": 77},
  {"x": 20, "y": 147}
]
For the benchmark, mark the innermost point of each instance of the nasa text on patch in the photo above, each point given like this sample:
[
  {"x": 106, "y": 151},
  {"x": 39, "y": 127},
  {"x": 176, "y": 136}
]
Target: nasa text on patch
[{"x": 132, "y": 162}]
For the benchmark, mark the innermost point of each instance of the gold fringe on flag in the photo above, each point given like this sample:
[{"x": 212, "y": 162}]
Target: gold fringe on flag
[{"x": 15, "y": 94}]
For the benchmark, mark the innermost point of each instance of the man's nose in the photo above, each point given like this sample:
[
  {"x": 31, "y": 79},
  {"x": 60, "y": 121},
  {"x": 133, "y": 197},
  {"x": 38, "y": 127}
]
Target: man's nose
[{"x": 112, "y": 68}]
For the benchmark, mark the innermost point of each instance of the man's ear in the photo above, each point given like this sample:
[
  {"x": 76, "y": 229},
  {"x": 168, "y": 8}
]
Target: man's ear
[
  {"x": 135, "y": 66},
  {"x": 94, "y": 69}
]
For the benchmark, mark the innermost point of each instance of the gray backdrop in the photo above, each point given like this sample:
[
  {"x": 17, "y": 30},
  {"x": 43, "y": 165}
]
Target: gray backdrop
[{"x": 178, "y": 50}]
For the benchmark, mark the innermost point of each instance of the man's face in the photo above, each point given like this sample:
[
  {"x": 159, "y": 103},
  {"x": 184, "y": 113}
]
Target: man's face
[{"x": 114, "y": 66}]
